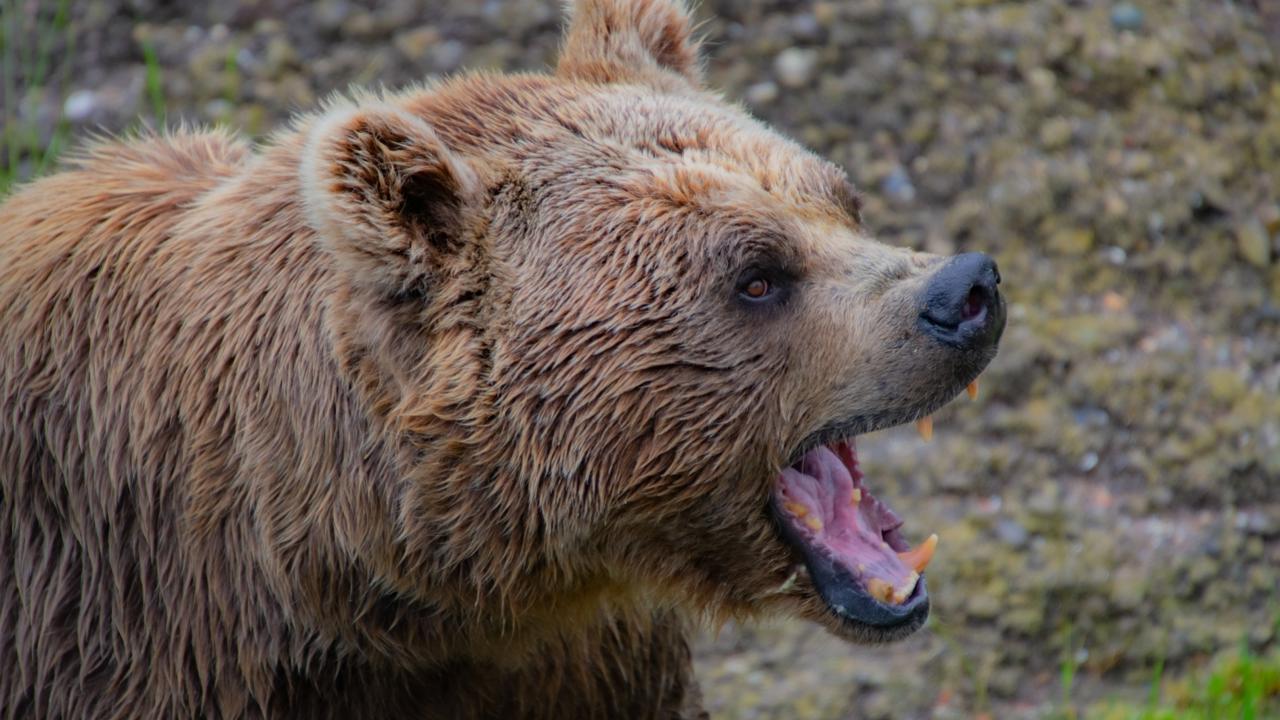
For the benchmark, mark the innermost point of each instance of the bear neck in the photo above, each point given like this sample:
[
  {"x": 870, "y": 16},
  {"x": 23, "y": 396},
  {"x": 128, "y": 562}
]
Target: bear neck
[{"x": 384, "y": 505}]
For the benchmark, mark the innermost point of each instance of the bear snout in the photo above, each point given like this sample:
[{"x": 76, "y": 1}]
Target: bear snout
[{"x": 961, "y": 306}]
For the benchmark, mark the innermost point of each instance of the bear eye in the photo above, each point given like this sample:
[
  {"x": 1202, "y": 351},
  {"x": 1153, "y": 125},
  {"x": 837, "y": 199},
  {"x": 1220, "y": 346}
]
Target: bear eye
[{"x": 758, "y": 287}]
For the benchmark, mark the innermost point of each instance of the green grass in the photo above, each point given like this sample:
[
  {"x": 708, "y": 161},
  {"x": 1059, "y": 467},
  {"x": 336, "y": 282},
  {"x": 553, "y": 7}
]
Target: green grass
[
  {"x": 1067, "y": 674},
  {"x": 35, "y": 66},
  {"x": 155, "y": 87},
  {"x": 1242, "y": 686},
  {"x": 32, "y": 65}
]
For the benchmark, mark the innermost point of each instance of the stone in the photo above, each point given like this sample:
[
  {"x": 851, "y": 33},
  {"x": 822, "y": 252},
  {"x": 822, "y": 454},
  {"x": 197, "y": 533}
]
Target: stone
[
  {"x": 1011, "y": 532},
  {"x": 1072, "y": 241},
  {"x": 414, "y": 44},
  {"x": 762, "y": 93},
  {"x": 1254, "y": 244},
  {"x": 897, "y": 185},
  {"x": 1127, "y": 17},
  {"x": 1055, "y": 133},
  {"x": 79, "y": 105},
  {"x": 280, "y": 56},
  {"x": 795, "y": 66}
]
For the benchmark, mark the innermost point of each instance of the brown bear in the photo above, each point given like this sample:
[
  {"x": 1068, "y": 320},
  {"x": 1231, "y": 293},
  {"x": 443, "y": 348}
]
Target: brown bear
[{"x": 467, "y": 401}]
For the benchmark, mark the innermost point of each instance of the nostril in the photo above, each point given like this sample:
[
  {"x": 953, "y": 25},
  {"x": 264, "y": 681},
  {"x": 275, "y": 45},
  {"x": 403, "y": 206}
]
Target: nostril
[
  {"x": 960, "y": 305},
  {"x": 975, "y": 304}
]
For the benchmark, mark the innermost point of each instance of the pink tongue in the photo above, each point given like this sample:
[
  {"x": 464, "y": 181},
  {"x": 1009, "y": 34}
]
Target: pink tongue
[{"x": 819, "y": 504}]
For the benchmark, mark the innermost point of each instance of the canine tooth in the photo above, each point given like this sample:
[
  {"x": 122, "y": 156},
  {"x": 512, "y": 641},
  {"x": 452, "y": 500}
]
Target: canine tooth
[
  {"x": 925, "y": 427},
  {"x": 813, "y": 523},
  {"x": 797, "y": 509},
  {"x": 880, "y": 590},
  {"x": 973, "y": 389},
  {"x": 856, "y": 497},
  {"x": 789, "y": 584},
  {"x": 919, "y": 556}
]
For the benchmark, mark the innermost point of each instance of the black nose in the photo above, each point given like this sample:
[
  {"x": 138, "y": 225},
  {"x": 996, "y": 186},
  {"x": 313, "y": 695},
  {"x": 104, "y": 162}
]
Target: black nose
[{"x": 961, "y": 306}]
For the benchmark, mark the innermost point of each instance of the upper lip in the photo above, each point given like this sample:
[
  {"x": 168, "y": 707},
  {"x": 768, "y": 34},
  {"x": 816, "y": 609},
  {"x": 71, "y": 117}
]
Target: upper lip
[
  {"x": 856, "y": 425},
  {"x": 847, "y": 428}
]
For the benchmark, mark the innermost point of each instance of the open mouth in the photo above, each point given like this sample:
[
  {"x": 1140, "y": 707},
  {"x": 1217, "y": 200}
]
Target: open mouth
[{"x": 850, "y": 541}]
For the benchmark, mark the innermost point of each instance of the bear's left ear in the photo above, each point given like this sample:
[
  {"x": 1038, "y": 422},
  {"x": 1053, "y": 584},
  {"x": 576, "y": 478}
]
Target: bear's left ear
[
  {"x": 644, "y": 41},
  {"x": 387, "y": 197}
]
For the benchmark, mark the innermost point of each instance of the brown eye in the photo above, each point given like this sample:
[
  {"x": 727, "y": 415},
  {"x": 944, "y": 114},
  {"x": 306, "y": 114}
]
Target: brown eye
[{"x": 757, "y": 289}]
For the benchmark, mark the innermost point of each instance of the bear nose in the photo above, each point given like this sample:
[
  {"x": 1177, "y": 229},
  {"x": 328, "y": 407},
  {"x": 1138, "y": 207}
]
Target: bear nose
[{"x": 961, "y": 305}]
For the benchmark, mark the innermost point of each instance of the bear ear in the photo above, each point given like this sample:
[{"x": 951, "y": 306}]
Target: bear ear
[
  {"x": 387, "y": 197},
  {"x": 648, "y": 41}
]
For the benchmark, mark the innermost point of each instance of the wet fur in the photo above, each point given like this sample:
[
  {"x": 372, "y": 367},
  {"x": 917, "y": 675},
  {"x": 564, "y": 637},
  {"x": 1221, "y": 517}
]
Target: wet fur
[{"x": 422, "y": 408}]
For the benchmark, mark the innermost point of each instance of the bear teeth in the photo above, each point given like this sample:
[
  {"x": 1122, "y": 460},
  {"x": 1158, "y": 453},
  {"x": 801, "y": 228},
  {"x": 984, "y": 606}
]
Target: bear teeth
[
  {"x": 904, "y": 591},
  {"x": 884, "y": 592},
  {"x": 790, "y": 583},
  {"x": 918, "y": 557},
  {"x": 797, "y": 509},
  {"x": 924, "y": 426},
  {"x": 880, "y": 590}
]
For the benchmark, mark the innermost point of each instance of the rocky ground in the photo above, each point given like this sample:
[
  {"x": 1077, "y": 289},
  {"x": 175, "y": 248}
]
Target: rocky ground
[{"x": 1111, "y": 502}]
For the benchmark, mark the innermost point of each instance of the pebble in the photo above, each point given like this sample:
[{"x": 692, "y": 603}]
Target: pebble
[
  {"x": 1011, "y": 532},
  {"x": 1116, "y": 255},
  {"x": 415, "y": 43},
  {"x": 217, "y": 109},
  {"x": 79, "y": 105},
  {"x": 1258, "y": 522},
  {"x": 897, "y": 185},
  {"x": 1055, "y": 133},
  {"x": 1089, "y": 462},
  {"x": 1254, "y": 243},
  {"x": 806, "y": 27},
  {"x": 795, "y": 66},
  {"x": 330, "y": 14},
  {"x": 280, "y": 55},
  {"x": 359, "y": 25},
  {"x": 762, "y": 93},
  {"x": 1127, "y": 17},
  {"x": 447, "y": 56},
  {"x": 246, "y": 61},
  {"x": 1072, "y": 241}
]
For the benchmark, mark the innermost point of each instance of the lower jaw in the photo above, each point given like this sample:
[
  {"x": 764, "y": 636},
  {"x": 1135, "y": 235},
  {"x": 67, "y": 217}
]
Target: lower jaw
[
  {"x": 855, "y": 567},
  {"x": 847, "y": 610},
  {"x": 857, "y": 632}
]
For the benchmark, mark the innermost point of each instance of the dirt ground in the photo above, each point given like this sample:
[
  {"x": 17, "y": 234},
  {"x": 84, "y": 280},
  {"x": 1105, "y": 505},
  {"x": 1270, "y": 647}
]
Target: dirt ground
[{"x": 1112, "y": 499}]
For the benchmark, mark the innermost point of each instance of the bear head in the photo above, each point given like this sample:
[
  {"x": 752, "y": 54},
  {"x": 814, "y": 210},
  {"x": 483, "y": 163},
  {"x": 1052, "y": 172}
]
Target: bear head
[{"x": 623, "y": 336}]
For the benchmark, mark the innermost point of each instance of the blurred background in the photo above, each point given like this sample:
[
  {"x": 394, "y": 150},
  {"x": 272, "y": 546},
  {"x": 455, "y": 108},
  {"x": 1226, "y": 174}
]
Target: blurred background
[{"x": 1109, "y": 507}]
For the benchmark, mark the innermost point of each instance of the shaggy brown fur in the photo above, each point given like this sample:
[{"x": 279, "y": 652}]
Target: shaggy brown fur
[{"x": 438, "y": 405}]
